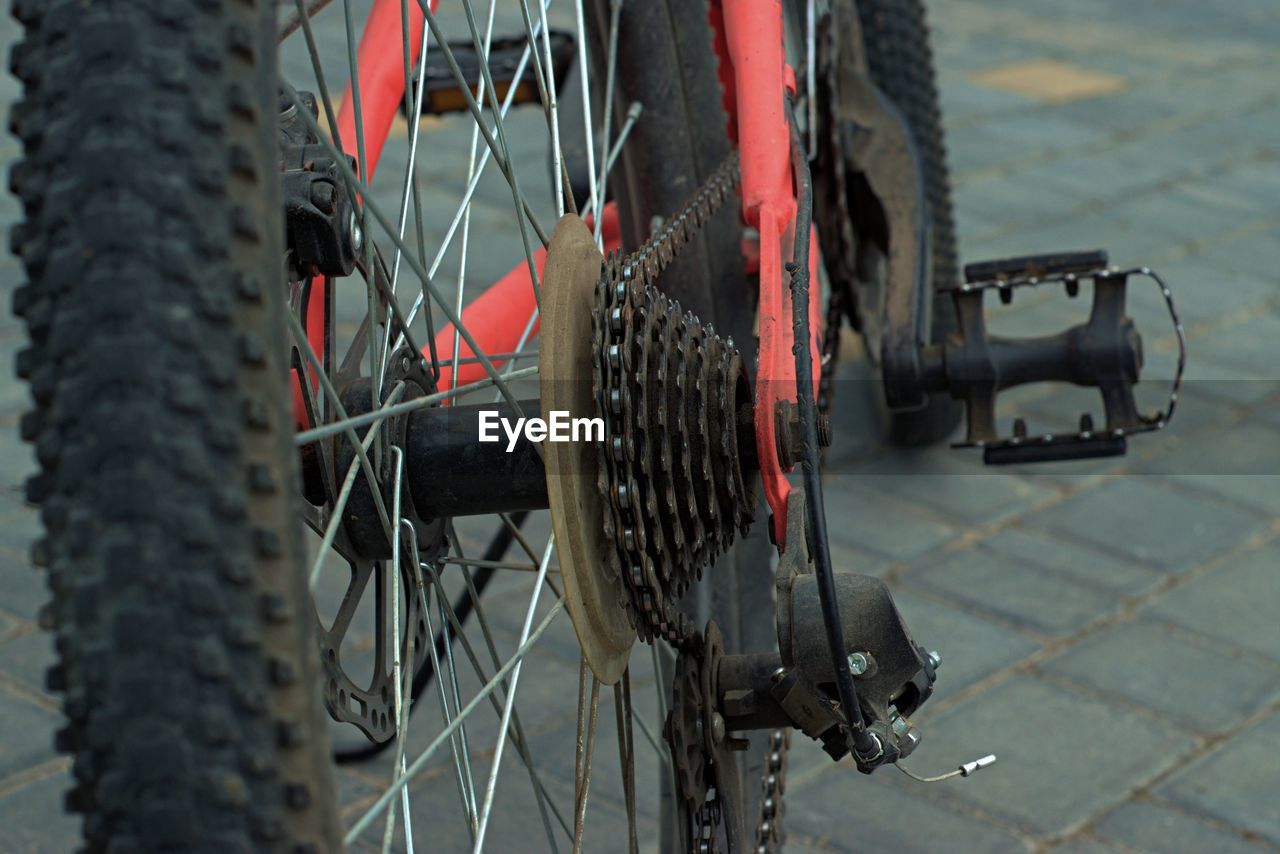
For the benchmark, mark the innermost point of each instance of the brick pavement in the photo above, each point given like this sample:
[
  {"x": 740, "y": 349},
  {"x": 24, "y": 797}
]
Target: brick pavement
[{"x": 1108, "y": 628}]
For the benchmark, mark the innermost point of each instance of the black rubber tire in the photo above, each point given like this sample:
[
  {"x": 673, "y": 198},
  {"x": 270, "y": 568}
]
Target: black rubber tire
[
  {"x": 666, "y": 62},
  {"x": 895, "y": 38},
  {"x": 152, "y": 240}
]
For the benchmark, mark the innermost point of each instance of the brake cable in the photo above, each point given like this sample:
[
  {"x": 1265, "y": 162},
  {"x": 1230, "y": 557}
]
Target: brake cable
[{"x": 865, "y": 745}]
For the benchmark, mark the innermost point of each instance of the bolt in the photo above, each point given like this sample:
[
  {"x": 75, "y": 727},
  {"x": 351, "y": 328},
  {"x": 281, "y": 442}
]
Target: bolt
[
  {"x": 858, "y": 663},
  {"x": 717, "y": 727},
  {"x": 406, "y": 363},
  {"x": 357, "y": 234},
  {"x": 935, "y": 658},
  {"x": 779, "y": 674}
]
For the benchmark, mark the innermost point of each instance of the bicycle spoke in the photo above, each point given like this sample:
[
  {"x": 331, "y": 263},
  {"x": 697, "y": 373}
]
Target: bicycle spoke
[
  {"x": 413, "y": 584},
  {"x": 588, "y": 712},
  {"x": 499, "y": 150},
  {"x": 485, "y": 157},
  {"x": 424, "y": 757},
  {"x": 492, "y": 785},
  {"x": 586, "y": 108},
  {"x": 544, "y": 75},
  {"x": 610, "y": 81},
  {"x": 313, "y": 52},
  {"x": 519, "y": 741},
  {"x": 627, "y": 754},
  {"x": 464, "y": 747},
  {"x": 300, "y": 339},
  {"x": 466, "y": 218},
  {"x": 413, "y": 108},
  {"x": 492, "y": 564},
  {"x": 391, "y": 408},
  {"x": 371, "y": 208},
  {"x": 651, "y": 738},
  {"x": 335, "y": 517},
  {"x": 362, "y": 179},
  {"x": 543, "y": 799},
  {"x": 466, "y": 789},
  {"x": 516, "y": 196},
  {"x": 396, "y": 676},
  {"x": 302, "y": 18}
]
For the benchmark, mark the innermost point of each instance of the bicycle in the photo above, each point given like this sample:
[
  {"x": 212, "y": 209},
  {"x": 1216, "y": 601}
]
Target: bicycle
[{"x": 175, "y": 188}]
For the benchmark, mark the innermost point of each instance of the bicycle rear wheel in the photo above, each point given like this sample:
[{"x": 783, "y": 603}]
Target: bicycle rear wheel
[{"x": 161, "y": 368}]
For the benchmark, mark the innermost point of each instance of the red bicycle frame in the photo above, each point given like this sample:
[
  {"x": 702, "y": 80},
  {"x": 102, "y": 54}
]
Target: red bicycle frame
[{"x": 755, "y": 78}]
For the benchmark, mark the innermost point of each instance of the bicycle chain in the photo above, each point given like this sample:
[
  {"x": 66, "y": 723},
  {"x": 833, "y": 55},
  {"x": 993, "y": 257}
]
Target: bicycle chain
[
  {"x": 773, "y": 786},
  {"x": 667, "y": 387}
]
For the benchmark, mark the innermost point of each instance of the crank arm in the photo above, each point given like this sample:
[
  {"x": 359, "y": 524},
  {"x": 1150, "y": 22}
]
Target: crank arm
[{"x": 881, "y": 160}]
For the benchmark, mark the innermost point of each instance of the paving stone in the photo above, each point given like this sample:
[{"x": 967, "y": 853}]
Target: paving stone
[
  {"x": 862, "y": 519},
  {"x": 1157, "y": 666},
  {"x": 1215, "y": 378},
  {"x": 1141, "y": 518},
  {"x": 1182, "y": 216},
  {"x": 1204, "y": 292},
  {"x": 1084, "y": 845},
  {"x": 847, "y": 813},
  {"x": 971, "y": 647},
  {"x": 25, "y": 592},
  {"x": 977, "y": 499},
  {"x": 32, "y": 726},
  {"x": 27, "y": 657},
  {"x": 515, "y": 822},
  {"x": 554, "y": 752},
  {"x": 1235, "y": 783},
  {"x": 1092, "y": 567},
  {"x": 34, "y": 820},
  {"x": 1227, "y": 450},
  {"x": 1260, "y": 491},
  {"x": 963, "y": 99},
  {"x": 1016, "y": 590},
  {"x": 1150, "y": 826},
  {"x": 1050, "y": 741},
  {"x": 1008, "y": 199},
  {"x": 1234, "y": 602},
  {"x": 17, "y": 462},
  {"x": 1248, "y": 344}
]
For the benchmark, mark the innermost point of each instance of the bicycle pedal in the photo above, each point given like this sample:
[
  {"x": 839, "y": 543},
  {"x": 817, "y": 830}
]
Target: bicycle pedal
[
  {"x": 442, "y": 94},
  {"x": 1050, "y": 447},
  {"x": 1104, "y": 352}
]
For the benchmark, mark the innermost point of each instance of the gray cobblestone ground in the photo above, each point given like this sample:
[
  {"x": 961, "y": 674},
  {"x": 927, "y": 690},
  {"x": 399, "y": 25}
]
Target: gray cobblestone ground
[{"x": 1109, "y": 629}]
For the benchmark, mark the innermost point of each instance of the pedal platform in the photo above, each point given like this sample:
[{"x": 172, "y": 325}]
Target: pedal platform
[
  {"x": 508, "y": 66},
  {"x": 1104, "y": 352}
]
